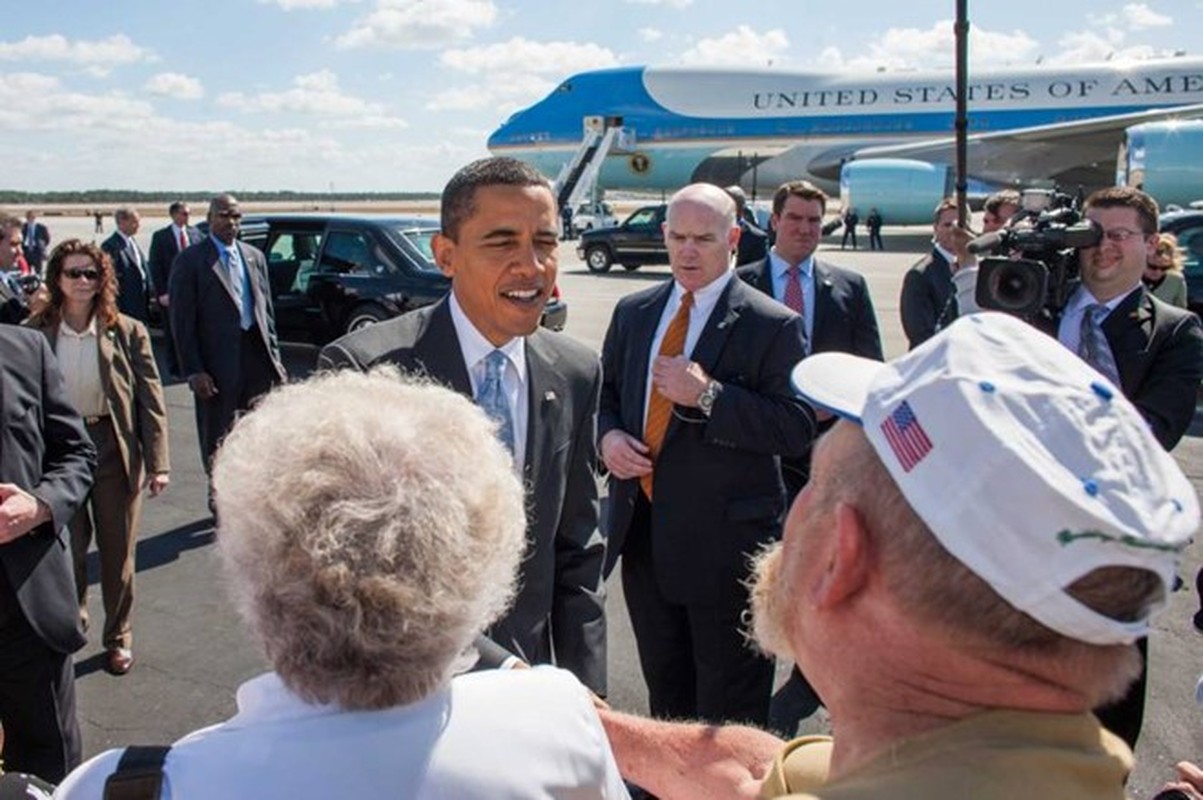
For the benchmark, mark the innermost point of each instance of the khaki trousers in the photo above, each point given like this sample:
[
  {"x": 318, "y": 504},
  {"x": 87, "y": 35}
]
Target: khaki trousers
[{"x": 111, "y": 514}]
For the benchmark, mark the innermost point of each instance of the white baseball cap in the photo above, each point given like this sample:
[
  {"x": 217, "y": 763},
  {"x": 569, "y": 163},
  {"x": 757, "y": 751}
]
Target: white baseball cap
[{"x": 1028, "y": 466}]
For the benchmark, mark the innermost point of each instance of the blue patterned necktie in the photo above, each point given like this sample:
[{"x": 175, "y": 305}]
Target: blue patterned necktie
[
  {"x": 491, "y": 397},
  {"x": 240, "y": 279},
  {"x": 1093, "y": 346}
]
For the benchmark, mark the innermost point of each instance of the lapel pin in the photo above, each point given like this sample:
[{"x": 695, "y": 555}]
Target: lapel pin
[{"x": 549, "y": 396}]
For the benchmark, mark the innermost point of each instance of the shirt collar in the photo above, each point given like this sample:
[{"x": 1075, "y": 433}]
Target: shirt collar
[
  {"x": 222, "y": 247},
  {"x": 66, "y": 330},
  {"x": 708, "y": 294},
  {"x": 475, "y": 347},
  {"x": 1081, "y": 298},
  {"x": 950, "y": 257},
  {"x": 781, "y": 266}
]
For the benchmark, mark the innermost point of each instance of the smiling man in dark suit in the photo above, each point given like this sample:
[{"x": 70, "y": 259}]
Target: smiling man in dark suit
[
  {"x": 696, "y": 409},
  {"x": 46, "y": 462},
  {"x": 500, "y": 230},
  {"x": 1151, "y": 350},
  {"x": 223, "y": 326}
]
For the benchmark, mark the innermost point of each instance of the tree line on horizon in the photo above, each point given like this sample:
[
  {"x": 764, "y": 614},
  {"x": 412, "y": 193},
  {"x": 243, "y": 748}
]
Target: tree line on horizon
[{"x": 113, "y": 196}]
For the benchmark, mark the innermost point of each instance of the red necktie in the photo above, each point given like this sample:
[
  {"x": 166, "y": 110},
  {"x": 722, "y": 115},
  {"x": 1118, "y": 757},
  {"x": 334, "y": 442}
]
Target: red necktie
[
  {"x": 183, "y": 240},
  {"x": 659, "y": 407},
  {"x": 794, "y": 299}
]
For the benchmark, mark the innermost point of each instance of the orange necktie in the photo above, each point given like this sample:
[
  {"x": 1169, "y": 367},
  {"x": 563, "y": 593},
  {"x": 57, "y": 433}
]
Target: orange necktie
[{"x": 659, "y": 407}]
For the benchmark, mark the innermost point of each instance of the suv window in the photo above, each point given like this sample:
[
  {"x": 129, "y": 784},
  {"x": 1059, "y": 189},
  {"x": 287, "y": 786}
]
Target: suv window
[
  {"x": 1191, "y": 242},
  {"x": 352, "y": 252},
  {"x": 642, "y": 219},
  {"x": 417, "y": 243},
  {"x": 290, "y": 260}
]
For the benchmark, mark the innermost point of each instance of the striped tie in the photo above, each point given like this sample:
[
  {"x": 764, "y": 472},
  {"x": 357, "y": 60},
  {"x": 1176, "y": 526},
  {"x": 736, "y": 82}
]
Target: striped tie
[
  {"x": 659, "y": 407},
  {"x": 1093, "y": 346}
]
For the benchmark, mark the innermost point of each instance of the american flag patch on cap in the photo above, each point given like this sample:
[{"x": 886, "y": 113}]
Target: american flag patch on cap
[{"x": 906, "y": 436}]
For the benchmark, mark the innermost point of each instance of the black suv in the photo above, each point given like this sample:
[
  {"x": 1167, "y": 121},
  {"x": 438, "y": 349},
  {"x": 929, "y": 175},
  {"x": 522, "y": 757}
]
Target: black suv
[
  {"x": 637, "y": 240},
  {"x": 334, "y": 273}
]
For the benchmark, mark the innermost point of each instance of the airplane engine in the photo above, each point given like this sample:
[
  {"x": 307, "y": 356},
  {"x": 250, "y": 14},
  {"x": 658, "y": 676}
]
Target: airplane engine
[
  {"x": 905, "y": 192},
  {"x": 1164, "y": 159}
]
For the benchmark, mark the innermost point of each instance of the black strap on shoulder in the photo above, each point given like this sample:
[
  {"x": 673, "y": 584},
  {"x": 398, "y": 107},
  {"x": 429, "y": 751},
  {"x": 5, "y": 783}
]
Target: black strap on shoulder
[{"x": 139, "y": 774}]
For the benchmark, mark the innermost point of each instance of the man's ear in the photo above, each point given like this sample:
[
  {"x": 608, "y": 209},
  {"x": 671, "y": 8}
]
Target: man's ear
[
  {"x": 444, "y": 254},
  {"x": 848, "y": 559}
]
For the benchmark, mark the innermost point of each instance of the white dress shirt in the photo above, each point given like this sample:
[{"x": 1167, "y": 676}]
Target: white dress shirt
[
  {"x": 704, "y": 300},
  {"x": 78, "y": 354},
  {"x": 475, "y": 349},
  {"x": 495, "y": 735},
  {"x": 1069, "y": 330}
]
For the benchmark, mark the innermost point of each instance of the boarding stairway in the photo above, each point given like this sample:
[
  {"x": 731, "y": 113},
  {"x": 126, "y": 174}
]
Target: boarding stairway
[{"x": 578, "y": 178}]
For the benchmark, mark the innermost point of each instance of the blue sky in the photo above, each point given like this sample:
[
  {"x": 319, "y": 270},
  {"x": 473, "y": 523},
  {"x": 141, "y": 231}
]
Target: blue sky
[{"x": 395, "y": 95}]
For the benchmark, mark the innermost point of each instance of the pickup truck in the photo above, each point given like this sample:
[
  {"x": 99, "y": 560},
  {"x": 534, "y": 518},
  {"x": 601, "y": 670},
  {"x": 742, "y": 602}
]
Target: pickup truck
[
  {"x": 589, "y": 216},
  {"x": 637, "y": 240}
]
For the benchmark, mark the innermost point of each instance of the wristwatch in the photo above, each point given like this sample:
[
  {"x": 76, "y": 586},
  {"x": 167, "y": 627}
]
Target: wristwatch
[{"x": 707, "y": 397}]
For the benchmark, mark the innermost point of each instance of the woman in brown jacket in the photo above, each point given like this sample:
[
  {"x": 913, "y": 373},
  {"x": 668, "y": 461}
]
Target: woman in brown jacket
[{"x": 111, "y": 376}]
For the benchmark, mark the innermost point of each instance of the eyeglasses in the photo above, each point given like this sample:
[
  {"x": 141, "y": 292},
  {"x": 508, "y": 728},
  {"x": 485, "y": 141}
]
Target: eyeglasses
[
  {"x": 1120, "y": 235},
  {"x": 228, "y": 214},
  {"x": 76, "y": 274}
]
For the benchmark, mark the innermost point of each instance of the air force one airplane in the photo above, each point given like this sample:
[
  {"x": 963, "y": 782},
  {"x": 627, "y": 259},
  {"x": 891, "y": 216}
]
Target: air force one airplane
[{"x": 882, "y": 139}]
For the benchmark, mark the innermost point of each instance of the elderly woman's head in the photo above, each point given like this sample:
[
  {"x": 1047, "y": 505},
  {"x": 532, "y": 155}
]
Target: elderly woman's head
[{"x": 370, "y": 529}]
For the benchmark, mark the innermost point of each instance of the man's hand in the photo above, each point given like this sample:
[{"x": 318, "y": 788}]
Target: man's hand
[
  {"x": 156, "y": 483},
  {"x": 624, "y": 455},
  {"x": 679, "y": 379},
  {"x": 202, "y": 385},
  {"x": 20, "y": 512},
  {"x": 164, "y": 299}
]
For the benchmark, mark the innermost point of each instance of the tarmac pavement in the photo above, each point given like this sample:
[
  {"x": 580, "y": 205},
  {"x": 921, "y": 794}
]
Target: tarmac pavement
[{"x": 191, "y": 651}]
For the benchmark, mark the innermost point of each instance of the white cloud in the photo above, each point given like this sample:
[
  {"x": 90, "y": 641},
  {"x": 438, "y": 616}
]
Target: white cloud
[
  {"x": 174, "y": 84},
  {"x": 742, "y": 46},
  {"x": 315, "y": 94},
  {"x": 650, "y": 35},
  {"x": 292, "y": 5},
  {"x": 1139, "y": 16},
  {"x": 419, "y": 24},
  {"x": 669, "y": 3},
  {"x": 515, "y": 73},
  {"x": 1088, "y": 46},
  {"x": 934, "y": 47},
  {"x": 102, "y": 54}
]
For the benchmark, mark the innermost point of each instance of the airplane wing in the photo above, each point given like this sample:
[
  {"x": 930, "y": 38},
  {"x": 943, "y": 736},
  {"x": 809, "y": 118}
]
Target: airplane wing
[{"x": 1073, "y": 152}]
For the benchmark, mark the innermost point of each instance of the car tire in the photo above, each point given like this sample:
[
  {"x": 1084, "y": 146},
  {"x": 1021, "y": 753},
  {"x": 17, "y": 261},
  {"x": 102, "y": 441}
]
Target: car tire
[
  {"x": 363, "y": 316},
  {"x": 598, "y": 259},
  {"x": 629, "y": 267}
]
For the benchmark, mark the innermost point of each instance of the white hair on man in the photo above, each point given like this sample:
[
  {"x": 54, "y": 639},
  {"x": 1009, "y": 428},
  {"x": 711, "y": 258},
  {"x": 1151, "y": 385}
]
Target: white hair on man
[{"x": 370, "y": 528}]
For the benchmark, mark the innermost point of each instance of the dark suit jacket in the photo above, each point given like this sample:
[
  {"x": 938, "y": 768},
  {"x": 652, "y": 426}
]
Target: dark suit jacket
[
  {"x": 36, "y": 255},
  {"x": 718, "y": 490},
  {"x": 561, "y": 603},
  {"x": 205, "y": 319},
  {"x": 45, "y": 451},
  {"x": 163, "y": 250},
  {"x": 753, "y": 243},
  {"x": 1158, "y": 350},
  {"x": 133, "y": 288},
  {"x": 928, "y": 302},
  {"x": 844, "y": 320},
  {"x": 131, "y": 384}
]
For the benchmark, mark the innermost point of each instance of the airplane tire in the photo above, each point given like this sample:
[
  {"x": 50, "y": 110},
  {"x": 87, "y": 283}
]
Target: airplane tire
[{"x": 598, "y": 259}]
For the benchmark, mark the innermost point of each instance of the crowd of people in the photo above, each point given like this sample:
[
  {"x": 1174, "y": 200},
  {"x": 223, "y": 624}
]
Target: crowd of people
[{"x": 432, "y": 521}]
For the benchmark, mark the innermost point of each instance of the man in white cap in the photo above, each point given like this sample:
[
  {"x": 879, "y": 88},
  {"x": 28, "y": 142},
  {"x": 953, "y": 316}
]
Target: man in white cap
[{"x": 985, "y": 533}]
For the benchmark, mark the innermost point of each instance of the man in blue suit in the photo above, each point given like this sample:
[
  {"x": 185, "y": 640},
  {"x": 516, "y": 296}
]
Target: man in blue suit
[{"x": 130, "y": 265}]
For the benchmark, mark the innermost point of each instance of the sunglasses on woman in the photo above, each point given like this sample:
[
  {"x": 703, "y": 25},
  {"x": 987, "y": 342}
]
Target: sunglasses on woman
[{"x": 76, "y": 274}]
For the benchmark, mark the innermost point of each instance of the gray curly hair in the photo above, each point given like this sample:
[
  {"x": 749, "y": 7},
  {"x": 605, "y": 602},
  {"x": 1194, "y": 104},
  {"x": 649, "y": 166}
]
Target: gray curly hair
[{"x": 370, "y": 528}]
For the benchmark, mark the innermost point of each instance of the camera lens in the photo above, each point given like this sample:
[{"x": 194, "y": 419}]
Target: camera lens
[{"x": 1014, "y": 288}]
